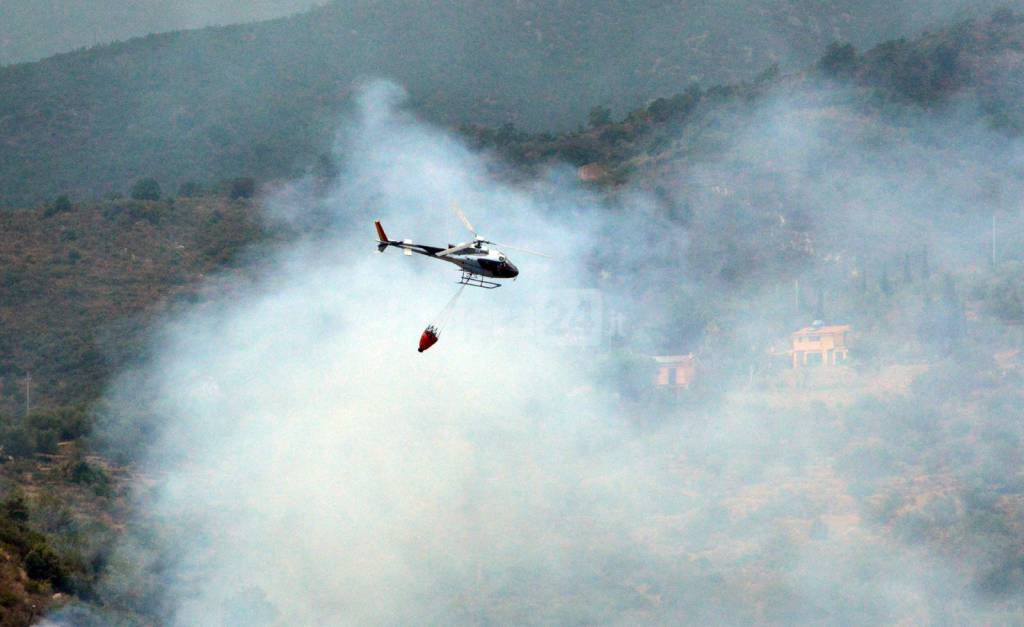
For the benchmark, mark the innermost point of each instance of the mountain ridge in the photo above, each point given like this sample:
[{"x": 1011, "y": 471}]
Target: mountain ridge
[{"x": 263, "y": 99}]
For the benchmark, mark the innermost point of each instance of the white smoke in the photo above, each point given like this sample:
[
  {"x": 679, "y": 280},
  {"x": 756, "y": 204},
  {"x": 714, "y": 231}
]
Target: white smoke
[
  {"x": 313, "y": 468},
  {"x": 318, "y": 465}
]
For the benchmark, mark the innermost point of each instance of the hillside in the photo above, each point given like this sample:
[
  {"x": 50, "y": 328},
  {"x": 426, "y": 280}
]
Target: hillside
[
  {"x": 77, "y": 287},
  {"x": 71, "y": 281},
  {"x": 34, "y": 29},
  {"x": 977, "y": 63},
  {"x": 261, "y": 100},
  {"x": 860, "y": 189}
]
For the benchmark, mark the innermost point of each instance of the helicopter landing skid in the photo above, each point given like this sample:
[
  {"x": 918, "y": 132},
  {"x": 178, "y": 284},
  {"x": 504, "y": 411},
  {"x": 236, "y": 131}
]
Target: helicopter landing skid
[{"x": 475, "y": 280}]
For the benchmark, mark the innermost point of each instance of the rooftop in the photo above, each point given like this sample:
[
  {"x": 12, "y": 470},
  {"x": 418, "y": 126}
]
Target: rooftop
[
  {"x": 824, "y": 330},
  {"x": 672, "y": 359}
]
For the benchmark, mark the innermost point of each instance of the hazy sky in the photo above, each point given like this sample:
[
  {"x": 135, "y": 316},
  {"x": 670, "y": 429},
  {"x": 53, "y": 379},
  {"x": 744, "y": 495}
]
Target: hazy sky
[{"x": 34, "y": 29}]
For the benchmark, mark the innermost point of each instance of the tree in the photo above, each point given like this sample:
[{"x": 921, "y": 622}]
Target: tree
[
  {"x": 509, "y": 134},
  {"x": 599, "y": 116},
  {"x": 954, "y": 320},
  {"x": 146, "y": 189},
  {"x": 190, "y": 189},
  {"x": 16, "y": 507},
  {"x": 42, "y": 564},
  {"x": 768, "y": 75},
  {"x": 61, "y": 204},
  {"x": 819, "y": 307},
  {"x": 15, "y": 441},
  {"x": 884, "y": 284},
  {"x": 1003, "y": 15},
  {"x": 243, "y": 187},
  {"x": 838, "y": 60}
]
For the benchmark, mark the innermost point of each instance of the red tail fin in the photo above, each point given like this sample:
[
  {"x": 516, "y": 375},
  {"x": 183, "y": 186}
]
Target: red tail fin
[{"x": 381, "y": 235}]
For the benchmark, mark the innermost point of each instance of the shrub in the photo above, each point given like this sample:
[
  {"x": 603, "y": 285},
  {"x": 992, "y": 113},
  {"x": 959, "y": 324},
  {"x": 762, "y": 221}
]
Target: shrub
[
  {"x": 838, "y": 60},
  {"x": 43, "y": 564},
  {"x": 600, "y": 116},
  {"x": 1004, "y": 15},
  {"x": 61, "y": 205},
  {"x": 84, "y": 473},
  {"x": 16, "y": 441},
  {"x": 190, "y": 189},
  {"x": 244, "y": 187},
  {"x": 69, "y": 422},
  {"x": 146, "y": 189},
  {"x": 8, "y": 599},
  {"x": 15, "y": 507},
  {"x": 46, "y": 441}
]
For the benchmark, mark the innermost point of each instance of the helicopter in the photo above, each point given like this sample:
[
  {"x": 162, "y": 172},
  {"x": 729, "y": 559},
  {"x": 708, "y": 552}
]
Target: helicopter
[{"x": 478, "y": 262}]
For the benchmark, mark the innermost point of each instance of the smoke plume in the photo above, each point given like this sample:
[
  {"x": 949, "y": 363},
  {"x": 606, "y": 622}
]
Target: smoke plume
[{"x": 312, "y": 468}]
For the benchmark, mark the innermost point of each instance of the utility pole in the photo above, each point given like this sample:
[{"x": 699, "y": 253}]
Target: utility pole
[{"x": 28, "y": 393}]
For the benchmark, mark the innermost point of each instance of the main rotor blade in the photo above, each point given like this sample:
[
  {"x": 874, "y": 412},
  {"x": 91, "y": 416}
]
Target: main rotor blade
[
  {"x": 522, "y": 250},
  {"x": 455, "y": 249},
  {"x": 462, "y": 216}
]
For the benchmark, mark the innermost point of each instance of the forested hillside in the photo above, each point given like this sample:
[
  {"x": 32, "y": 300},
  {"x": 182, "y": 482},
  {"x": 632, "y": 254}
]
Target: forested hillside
[
  {"x": 34, "y": 29},
  {"x": 977, "y": 66},
  {"x": 79, "y": 283},
  {"x": 260, "y": 100},
  {"x": 74, "y": 276},
  {"x": 863, "y": 190}
]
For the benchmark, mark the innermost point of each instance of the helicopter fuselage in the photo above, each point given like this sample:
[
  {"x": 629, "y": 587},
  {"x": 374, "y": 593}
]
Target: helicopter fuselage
[{"x": 477, "y": 259}]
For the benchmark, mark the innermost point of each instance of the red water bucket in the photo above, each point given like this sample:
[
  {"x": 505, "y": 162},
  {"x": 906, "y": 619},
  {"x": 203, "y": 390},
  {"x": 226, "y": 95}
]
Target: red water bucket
[{"x": 428, "y": 339}]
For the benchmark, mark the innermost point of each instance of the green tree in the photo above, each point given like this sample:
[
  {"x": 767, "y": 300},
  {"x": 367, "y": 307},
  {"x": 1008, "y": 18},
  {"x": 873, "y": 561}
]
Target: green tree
[
  {"x": 885, "y": 284},
  {"x": 43, "y": 564},
  {"x": 146, "y": 189},
  {"x": 838, "y": 60},
  {"x": 16, "y": 441},
  {"x": 16, "y": 507},
  {"x": 61, "y": 204},
  {"x": 509, "y": 134},
  {"x": 599, "y": 116},
  {"x": 190, "y": 189},
  {"x": 768, "y": 75},
  {"x": 243, "y": 187},
  {"x": 1004, "y": 15}
]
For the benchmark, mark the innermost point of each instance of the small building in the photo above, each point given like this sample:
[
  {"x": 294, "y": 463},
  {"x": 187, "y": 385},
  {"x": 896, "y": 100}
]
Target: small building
[
  {"x": 592, "y": 172},
  {"x": 820, "y": 345},
  {"x": 675, "y": 371}
]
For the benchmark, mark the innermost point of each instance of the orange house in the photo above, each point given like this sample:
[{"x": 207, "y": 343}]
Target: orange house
[
  {"x": 592, "y": 172},
  {"x": 675, "y": 371},
  {"x": 820, "y": 345}
]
